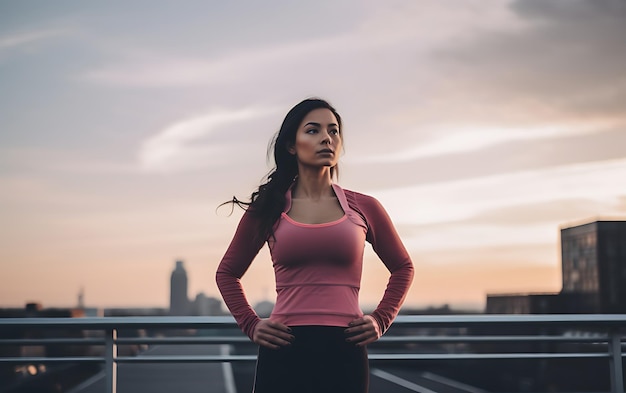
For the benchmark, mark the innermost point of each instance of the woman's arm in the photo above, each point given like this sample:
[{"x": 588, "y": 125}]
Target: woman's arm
[
  {"x": 236, "y": 261},
  {"x": 388, "y": 246}
]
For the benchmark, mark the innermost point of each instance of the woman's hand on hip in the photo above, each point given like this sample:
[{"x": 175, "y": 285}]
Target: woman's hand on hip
[
  {"x": 363, "y": 331},
  {"x": 272, "y": 334}
]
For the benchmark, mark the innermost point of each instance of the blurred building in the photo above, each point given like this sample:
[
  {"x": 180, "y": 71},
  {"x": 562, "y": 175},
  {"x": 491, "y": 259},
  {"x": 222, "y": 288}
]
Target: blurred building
[
  {"x": 536, "y": 303},
  {"x": 264, "y": 308},
  {"x": 205, "y": 306},
  {"x": 593, "y": 262},
  {"x": 593, "y": 259},
  {"x": 135, "y": 312},
  {"x": 179, "y": 302},
  {"x": 36, "y": 310}
]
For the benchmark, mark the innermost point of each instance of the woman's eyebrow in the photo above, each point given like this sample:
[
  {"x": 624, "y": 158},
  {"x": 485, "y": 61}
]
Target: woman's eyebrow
[{"x": 319, "y": 125}]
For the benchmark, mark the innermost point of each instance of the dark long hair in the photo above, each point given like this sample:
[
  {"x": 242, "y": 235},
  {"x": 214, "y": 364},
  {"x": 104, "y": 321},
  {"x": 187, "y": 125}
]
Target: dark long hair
[{"x": 268, "y": 200}]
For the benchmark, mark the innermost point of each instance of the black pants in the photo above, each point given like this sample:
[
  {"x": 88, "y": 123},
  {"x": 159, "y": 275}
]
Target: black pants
[{"x": 319, "y": 360}]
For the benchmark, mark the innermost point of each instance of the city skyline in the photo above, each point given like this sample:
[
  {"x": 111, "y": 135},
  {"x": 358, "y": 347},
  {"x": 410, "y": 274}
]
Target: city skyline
[
  {"x": 180, "y": 302},
  {"x": 482, "y": 127}
]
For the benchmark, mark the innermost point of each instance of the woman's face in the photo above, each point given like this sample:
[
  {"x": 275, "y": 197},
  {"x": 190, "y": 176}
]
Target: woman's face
[{"x": 318, "y": 139}]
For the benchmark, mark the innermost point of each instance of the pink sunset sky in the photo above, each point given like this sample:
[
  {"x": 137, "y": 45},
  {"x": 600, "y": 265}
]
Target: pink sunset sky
[{"x": 483, "y": 126}]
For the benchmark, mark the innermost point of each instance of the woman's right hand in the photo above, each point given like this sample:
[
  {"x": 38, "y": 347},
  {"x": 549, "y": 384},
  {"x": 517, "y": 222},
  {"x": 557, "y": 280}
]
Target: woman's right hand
[{"x": 272, "y": 334}]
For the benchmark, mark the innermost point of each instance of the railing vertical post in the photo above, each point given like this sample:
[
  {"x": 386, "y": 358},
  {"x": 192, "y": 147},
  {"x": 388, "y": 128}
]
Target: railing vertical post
[
  {"x": 110, "y": 362},
  {"x": 615, "y": 361}
]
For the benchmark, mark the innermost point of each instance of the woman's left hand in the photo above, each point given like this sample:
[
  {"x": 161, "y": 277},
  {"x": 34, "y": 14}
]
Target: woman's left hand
[{"x": 363, "y": 331}]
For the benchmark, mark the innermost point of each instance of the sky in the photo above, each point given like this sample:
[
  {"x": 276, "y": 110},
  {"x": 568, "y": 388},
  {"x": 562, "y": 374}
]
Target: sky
[{"x": 482, "y": 126}]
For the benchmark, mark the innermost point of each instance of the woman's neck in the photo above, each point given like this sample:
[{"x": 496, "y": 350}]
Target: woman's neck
[{"x": 313, "y": 187}]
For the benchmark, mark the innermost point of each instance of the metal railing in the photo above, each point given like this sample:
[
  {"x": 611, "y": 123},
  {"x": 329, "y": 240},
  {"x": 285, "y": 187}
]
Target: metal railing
[{"x": 592, "y": 336}]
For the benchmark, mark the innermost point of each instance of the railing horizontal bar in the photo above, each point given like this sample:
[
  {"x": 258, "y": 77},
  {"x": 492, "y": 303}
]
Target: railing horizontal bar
[
  {"x": 453, "y": 339},
  {"x": 183, "y": 340},
  {"x": 471, "y": 356},
  {"x": 412, "y": 356},
  {"x": 41, "y": 360},
  {"x": 515, "y": 320},
  {"x": 238, "y": 358},
  {"x": 101, "y": 323},
  {"x": 384, "y": 339},
  {"x": 243, "y": 339},
  {"x": 43, "y": 341},
  {"x": 500, "y": 320},
  {"x": 185, "y": 359}
]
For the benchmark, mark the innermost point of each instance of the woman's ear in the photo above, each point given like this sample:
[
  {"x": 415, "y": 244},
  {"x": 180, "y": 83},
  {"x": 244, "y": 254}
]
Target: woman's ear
[{"x": 291, "y": 149}]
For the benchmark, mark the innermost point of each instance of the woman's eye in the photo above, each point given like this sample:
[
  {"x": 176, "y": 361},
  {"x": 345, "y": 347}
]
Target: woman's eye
[
  {"x": 311, "y": 131},
  {"x": 334, "y": 132}
]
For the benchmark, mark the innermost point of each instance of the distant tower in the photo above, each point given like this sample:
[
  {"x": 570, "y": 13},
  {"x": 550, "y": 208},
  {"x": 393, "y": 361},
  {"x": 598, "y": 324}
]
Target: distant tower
[
  {"x": 179, "y": 303},
  {"x": 81, "y": 298}
]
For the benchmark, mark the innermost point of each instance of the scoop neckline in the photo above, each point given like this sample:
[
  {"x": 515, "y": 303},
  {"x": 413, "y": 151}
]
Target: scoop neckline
[{"x": 321, "y": 224}]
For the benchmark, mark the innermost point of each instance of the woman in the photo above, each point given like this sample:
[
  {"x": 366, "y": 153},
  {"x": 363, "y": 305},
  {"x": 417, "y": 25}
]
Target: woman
[{"x": 315, "y": 339}]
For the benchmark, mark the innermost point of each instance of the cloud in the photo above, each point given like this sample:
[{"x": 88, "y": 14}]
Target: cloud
[
  {"x": 24, "y": 38},
  {"x": 561, "y": 210},
  {"x": 511, "y": 227},
  {"x": 467, "y": 207},
  {"x": 570, "y": 11},
  {"x": 194, "y": 142},
  {"x": 445, "y": 140},
  {"x": 50, "y": 161},
  {"x": 569, "y": 62},
  {"x": 384, "y": 37},
  {"x": 387, "y": 63},
  {"x": 463, "y": 199},
  {"x": 150, "y": 70},
  {"x": 500, "y": 159}
]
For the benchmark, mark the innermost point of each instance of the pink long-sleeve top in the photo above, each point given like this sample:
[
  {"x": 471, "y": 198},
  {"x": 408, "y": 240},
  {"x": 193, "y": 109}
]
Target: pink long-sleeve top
[{"x": 318, "y": 266}]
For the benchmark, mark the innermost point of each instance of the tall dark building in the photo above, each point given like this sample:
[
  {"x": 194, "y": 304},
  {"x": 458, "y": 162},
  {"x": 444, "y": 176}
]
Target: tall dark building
[
  {"x": 179, "y": 303},
  {"x": 594, "y": 265}
]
